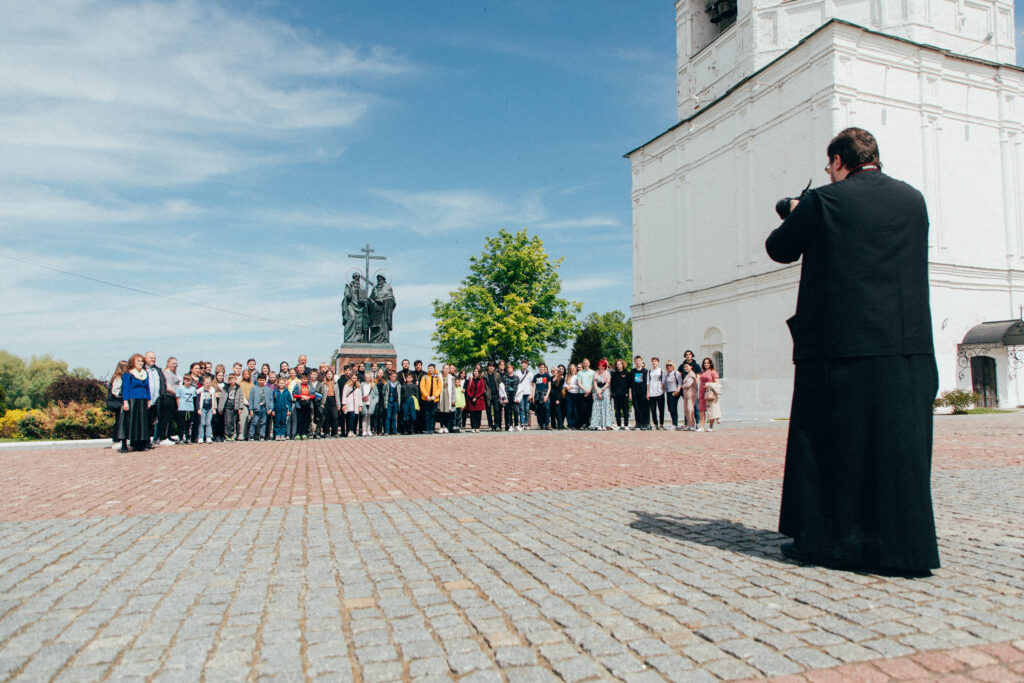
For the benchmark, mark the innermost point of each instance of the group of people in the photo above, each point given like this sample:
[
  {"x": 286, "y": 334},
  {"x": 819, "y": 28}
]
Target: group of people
[{"x": 207, "y": 404}]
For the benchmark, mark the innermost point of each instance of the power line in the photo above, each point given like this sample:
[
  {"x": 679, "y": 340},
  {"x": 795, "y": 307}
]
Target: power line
[
  {"x": 158, "y": 295},
  {"x": 180, "y": 300}
]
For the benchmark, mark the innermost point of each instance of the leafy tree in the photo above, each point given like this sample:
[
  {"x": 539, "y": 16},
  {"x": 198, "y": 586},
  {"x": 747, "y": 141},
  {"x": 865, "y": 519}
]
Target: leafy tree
[
  {"x": 507, "y": 307},
  {"x": 604, "y": 335},
  {"x": 26, "y": 383},
  {"x": 587, "y": 345},
  {"x": 42, "y": 371},
  {"x": 3, "y": 402},
  {"x": 12, "y": 377}
]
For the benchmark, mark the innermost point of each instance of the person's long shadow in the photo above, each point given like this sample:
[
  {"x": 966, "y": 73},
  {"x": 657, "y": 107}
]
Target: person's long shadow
[{"x": 717, "y": 533}]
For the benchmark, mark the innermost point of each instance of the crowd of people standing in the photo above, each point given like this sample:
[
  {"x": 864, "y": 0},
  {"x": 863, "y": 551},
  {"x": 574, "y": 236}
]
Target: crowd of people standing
[{"x": 209, "y": 403}]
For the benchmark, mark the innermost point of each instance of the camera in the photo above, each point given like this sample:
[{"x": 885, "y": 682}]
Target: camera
[{"x": 782, "y": 206}]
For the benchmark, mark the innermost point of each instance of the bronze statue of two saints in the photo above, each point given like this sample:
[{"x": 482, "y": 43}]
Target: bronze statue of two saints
[{"x": 368, "y": 315}]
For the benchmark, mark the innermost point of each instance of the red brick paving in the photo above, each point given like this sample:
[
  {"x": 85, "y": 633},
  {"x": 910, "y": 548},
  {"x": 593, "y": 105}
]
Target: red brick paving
[
  {"x": 66, "y": 483},
  {"x": 968, "y": 664}
]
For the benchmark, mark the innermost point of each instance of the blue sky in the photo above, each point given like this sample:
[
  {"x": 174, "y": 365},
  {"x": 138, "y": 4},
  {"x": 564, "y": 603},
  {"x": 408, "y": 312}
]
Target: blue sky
[{"x": 233, "y": 153}]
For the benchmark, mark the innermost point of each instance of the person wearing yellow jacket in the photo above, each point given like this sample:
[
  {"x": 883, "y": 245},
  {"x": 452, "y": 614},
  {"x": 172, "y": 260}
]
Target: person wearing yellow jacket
[{"x": 430, "y": 394}]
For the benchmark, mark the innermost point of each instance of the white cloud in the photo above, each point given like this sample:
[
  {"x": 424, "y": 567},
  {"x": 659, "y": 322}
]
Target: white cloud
[
  {"x": 165, "y": 93},
  {"x": 589, "y": 284}
]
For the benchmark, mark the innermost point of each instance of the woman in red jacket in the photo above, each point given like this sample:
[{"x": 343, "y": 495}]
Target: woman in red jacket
[{"x": 475, "y": 390}]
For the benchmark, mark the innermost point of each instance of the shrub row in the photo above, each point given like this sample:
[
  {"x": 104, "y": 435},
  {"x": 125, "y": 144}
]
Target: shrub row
[{"x": 58, "y": 421}]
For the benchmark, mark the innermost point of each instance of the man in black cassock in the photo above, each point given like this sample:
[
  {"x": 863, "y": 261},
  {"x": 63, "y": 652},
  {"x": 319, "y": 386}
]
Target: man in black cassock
[{"x": 857, "y": 491}]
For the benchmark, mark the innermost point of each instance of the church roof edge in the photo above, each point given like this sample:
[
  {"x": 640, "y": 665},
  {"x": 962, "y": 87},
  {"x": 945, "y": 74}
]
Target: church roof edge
[{"x": 712, "y": 103}]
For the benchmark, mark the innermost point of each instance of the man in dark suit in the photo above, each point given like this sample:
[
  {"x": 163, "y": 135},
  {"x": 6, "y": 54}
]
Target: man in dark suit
[{"x": 857, "y": 491}]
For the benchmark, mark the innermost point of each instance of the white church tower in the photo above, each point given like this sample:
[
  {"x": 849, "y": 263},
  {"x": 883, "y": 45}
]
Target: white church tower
[{"x": 762, "y": 86}]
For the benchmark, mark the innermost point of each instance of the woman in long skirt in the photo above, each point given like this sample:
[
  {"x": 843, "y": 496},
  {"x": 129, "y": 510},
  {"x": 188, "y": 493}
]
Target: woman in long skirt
[
  {"x": 601, "y": 415},
  {"x": 135, "y": 406}
]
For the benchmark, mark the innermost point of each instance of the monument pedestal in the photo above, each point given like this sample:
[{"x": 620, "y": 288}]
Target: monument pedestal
[{"x": 360, "y": 354}]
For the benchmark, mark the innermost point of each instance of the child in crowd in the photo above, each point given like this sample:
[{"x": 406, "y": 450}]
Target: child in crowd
[
  {"x": 368, "y": 405},
  {"x": 207, "y": 401},
  {"x": 394, "y": 404},
  {"x": 186, "y": 395},
  {"x": 282, "y": 408},
  {"x": 230, "y": 404},
  {"x": 261, "y": 402},
  {"x": 460, "y": 402}
]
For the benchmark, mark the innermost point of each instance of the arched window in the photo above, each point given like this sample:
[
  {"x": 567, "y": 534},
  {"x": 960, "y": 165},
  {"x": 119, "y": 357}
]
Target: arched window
[{"x": 714, "y": 348}]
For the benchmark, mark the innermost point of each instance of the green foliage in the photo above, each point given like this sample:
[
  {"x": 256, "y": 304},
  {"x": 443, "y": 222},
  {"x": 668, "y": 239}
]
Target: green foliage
[
  {"x": 3, "y": 402},
  {"x": 507, "y": 307},
  {"x": 58, "y": 421},
  {"x": 615, "y": 332},
  {"x": 957, "y": 399},
  {"x": 587, "y": 345},
  {"x": 26, "y": 383},
  {"x": 31, "y": 427}
]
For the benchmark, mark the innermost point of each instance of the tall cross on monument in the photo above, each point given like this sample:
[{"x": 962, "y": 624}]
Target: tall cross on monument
[{"x": 364, "y": 253}]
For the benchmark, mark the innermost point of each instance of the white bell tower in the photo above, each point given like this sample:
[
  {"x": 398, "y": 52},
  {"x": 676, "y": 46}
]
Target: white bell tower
[{"x": 721, "y": 42}]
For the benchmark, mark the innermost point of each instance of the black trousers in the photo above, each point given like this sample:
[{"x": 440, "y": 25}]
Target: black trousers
[
  {"x": 586, "y": 408},
  {"x": 857, "y": 484},
  {"x": 304, "y": 411},
  {"x": 557, "y": 418},
  {"x": 621, "y": 403},
  {"x": 330, "y": 423},
  {"x": 640, "y": 411},
  {"x": 494, "y": 411},
  {"x": 168, "y": 417},
  {"x": 656, "y": 404},
  {"x": 474, "y": 419},
  {"x": 541, "y": 408}
]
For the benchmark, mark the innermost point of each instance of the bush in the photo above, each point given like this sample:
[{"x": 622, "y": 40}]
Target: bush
[
  {"x": 9, "y": 424},
  {"x": 32, "y": 426},
  {"x": 68, "y": 389},
  {"x": 71, "y": 421},
  {"x": 957, "y": 399}
]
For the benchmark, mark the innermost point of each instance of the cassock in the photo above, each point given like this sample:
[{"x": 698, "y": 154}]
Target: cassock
[{"x": 857, "y": 483}]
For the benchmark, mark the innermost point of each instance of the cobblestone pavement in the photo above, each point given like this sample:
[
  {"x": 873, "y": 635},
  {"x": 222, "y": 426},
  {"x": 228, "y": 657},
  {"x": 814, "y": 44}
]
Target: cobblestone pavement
[{"x": 520, "y": 557}]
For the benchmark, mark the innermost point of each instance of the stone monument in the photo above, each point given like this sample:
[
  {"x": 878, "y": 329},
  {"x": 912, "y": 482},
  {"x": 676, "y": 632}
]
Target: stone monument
[{"x": 367, "y": 312}]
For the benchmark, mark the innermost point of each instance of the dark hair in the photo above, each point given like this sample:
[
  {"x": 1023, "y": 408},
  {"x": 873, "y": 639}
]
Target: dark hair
[
  {"x": 432, "y": 366},
  {"x": 260, "y": 376},
  {"x": 710, "y": 362},
  {"x": 854, "y": 146},
  {"x": 251, "y": 360},
  {"x": 687, "y": 351},
  {"x": 417, "y": 361}
]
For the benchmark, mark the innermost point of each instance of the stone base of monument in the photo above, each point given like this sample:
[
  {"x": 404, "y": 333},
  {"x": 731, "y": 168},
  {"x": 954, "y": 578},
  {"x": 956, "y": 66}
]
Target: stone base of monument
[{"x": 363, "y": 354}]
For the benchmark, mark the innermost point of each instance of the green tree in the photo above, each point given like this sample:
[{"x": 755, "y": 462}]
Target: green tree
[
  {"x": 613, "y": 333},
  {"x": 26, "y": 383},
  {"x": 12, "y": 378},
  {"x": 587, "y": 345},
  {"x": 42, "y": 371},
  {"x": 507, "y": 307}
]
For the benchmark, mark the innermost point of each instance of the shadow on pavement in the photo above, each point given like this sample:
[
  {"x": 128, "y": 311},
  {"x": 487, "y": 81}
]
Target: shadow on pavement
[{"x": 717, "y": 533}]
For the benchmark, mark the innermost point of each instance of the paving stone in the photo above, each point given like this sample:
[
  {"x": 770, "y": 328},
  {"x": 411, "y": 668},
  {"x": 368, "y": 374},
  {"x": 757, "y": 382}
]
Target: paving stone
[{"x": 666, "y": 568}]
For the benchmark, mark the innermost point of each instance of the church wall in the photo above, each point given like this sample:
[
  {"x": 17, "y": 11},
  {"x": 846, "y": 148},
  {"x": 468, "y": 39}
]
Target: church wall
[{"x": 703, "y": 195}]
